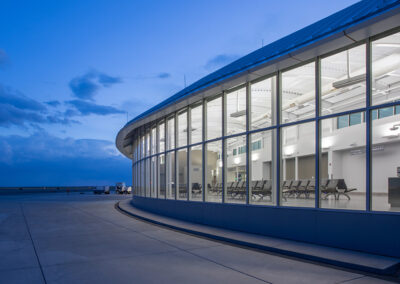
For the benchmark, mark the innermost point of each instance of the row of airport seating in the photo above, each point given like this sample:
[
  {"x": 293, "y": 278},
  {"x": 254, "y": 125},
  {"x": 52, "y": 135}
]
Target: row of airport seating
[{"x": 261, "y": 189}]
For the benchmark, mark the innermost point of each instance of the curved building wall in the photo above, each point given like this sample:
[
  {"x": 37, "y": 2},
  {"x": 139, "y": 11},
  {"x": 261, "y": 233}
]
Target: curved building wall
[{"x": 305, "y": 153}]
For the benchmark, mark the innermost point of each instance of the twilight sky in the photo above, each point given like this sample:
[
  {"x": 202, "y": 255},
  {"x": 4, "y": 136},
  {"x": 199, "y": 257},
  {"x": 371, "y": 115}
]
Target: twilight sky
[{"x": 73, "y": 72}]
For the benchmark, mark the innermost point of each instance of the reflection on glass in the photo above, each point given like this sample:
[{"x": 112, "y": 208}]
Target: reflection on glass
[
  {"x": 182, "y": 129},
  {"x": 170, "y": 167},
  {"x": 235, "y": 172},
  {"x": 298, "y": 93},
  {"x": 262, "y": 183},
  {"x": 342, "y": 165},
  {"x": 214, "y": 171},
  {"x": 153, "y": 141},
  {"x": 182, "y": 174},
  {"x": 298, "y": 165},
  {"x": 196, "y": 173},
  {"x": 196, "y": 124},
  {"x": 343, "y": 81},
  {"x": 142, "y": 178},
  {"x": 134, "y": 192},
  {"x": 161, "y": 137},
  {"x": 142, "y": 146},
  {"x": 147, "y": 142},
  {"x": 236, "y": 111},
  {"x": 171, "y": 133},
  {"x": 214, "y": 118},
  {"x": 385, "y": 157},
  {"x": 148, "y": 185},
  {"x": 161, "y": 176},
  {"x": 153, "y": 174},
  {"x": 386, "y": 69},
  {"x": 262, "y": 98}
]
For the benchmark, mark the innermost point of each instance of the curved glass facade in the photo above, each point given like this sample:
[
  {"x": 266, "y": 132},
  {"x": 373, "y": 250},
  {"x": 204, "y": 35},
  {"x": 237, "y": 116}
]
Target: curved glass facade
[{"x": 322, "y": 134}]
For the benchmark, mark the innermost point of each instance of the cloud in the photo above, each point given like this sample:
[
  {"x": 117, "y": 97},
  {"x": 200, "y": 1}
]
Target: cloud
[
  {"x": 53, "y": 103},
  {"x": 163, "y": 75},
  {"x": 18, "y": 110},
  {"x": 107, "y": 81},
  {"x": 12, "y": 116},
  {"x": 45, "y": 160},
  {"x": 18, "y": 100},
  {"x": 87, "y": 108},
  {"x": 3, "y": 57},
  {"x": 87, "y": 86},
  {"x": 220, "y": 61}
]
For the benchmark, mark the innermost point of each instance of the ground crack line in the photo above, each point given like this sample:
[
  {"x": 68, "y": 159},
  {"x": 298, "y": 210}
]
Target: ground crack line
[{"x": 33, "y": 243}]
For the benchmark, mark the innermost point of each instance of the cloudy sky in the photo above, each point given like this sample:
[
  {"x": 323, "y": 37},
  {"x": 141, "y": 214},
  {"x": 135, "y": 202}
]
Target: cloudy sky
[{"x": 73, "y": 72}]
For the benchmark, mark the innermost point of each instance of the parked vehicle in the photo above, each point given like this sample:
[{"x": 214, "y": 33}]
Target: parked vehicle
[
  {"x": 120, "y": 188},
  {"x": 107, "y": 189},
  {"x": 129, "y": 190},
  {"x": 99, "y": 190}
]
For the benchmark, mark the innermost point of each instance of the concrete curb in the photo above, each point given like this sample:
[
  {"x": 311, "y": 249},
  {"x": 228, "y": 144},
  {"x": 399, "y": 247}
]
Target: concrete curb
[{"x": 390, "y": 270}]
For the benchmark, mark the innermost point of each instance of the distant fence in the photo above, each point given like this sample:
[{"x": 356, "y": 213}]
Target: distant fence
[{"x": 43, "y": 189}]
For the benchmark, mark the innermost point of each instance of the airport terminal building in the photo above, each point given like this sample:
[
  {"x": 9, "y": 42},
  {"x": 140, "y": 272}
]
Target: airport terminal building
[{"x": 299, "y": 139}]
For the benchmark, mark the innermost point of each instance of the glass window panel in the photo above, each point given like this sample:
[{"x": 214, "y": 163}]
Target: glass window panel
[
  {"x": 386, "y": 69},
  {"x": 153, "y": 173},
  {"x": 262, "y": 99},
  {"x": 147, "y": 142},
  {"x": 385, "y": 112},
  {"x": 342, "y": 166},
  {"x": 385, "y": 156},
  {"x": 343, "y": 121},
  {"x": 355, "y": 118},
  {"x": 235, "y": 172},
  {"x": 182, "y": 174},
  {"x": 171, "y": 134},
  {"x": 134, "y": 179},
  {"x": 196, "y": 173},
  {"x": 262, "y": 183},
  {"x": 397, "y": 109},
  {"x": 298, "y": 165},
  {"x": 148, "y": 178},
  {"x": 143, "y": 146},
  {"x": 138, "y": 179},
  {"x": 374, "y": 114},
  {"x": 214, "y": 118},
  {"x": 343, "y": 81},
  {"x": 214, "y": 171},
  {"x": 182, "y": 129},
  {"x": 161, "y": 137},
  {"x": 236, "y": 111},
  {"x": 153, "y": 141},
  {"x": 197, "y": 124},
  {"x": 161, "y": 176},
  {"x": 170, "y": 167},
  {"x": 142, "y": 178},
  {"x": 298, "y": 93}
]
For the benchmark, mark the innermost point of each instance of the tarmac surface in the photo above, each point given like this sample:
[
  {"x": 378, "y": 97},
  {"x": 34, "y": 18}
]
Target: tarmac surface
[{"x": 82, "y": 238}]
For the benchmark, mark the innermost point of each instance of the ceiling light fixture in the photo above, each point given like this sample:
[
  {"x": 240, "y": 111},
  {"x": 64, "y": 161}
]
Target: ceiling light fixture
[
  {"x": 349, "y": 81},
  {"x": 238, "y": 113}
]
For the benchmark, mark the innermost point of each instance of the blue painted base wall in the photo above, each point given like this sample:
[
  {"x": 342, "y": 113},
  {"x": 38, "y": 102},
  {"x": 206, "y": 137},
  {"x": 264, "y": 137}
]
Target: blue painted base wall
[{"x": 377, "y": 233}]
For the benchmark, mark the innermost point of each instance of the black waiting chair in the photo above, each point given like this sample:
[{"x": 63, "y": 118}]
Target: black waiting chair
[
  {"x": 342, "y": 189},
  {"x": 286, "y": 188},
  {"x": 330, "y": 188},
  {"x": 266, "y": 189},
  {"x": 302, "y": 188},
  {"x": 294, "y": 187},
  {"x": 310, "y": 188},
  {"x": 196, "y": 188}
]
